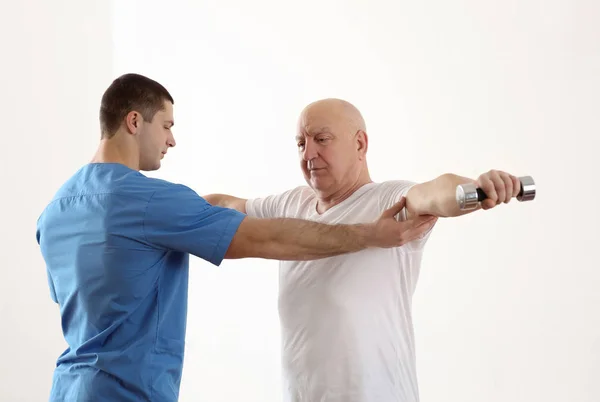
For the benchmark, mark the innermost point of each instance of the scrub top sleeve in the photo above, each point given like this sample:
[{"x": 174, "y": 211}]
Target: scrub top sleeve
[{"x": 178, "y": 219}]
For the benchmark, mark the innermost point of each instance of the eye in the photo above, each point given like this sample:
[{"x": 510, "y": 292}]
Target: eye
[{"x": 300, "y": 145}]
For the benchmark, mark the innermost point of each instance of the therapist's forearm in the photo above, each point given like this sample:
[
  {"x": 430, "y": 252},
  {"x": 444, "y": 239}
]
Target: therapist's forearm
[
  {"x": 291, "y": 239},
  {"x": 299, "y": 240}
]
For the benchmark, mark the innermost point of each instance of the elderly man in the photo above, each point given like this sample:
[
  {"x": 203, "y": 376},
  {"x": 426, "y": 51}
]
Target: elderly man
[{"x": 346, "y": 320}]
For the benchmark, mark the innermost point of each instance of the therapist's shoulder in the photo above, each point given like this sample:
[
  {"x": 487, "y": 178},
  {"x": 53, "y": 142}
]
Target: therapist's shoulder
[
  {"x": 178, "y": 206},
  {"x": 170, "y": 192},
  {"x": 156, "y": 194}
]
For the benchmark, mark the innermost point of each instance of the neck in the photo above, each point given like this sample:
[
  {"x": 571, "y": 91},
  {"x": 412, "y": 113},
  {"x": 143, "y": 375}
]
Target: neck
[
  {"x": 328, "y": 201},
  {"x": 117, "y": 149}
]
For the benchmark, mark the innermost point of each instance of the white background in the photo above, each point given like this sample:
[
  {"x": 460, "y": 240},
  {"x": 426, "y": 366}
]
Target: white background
[{"x": 507, "y": 304}]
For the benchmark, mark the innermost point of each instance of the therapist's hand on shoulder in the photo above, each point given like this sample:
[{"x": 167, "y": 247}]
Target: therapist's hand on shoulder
[{"x": 389, "y": 232}]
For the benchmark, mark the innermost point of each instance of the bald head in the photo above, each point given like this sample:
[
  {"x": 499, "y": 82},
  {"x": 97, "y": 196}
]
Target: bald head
[
  {"x": 334, "y": 110},
  {"x": 332, "y": 142}
]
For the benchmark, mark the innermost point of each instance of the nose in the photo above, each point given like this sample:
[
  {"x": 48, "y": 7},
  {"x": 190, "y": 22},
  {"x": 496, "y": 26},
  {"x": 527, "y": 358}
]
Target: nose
[
  {"x": 310, "y": 151},
  {"x": 171, "y": 141}
]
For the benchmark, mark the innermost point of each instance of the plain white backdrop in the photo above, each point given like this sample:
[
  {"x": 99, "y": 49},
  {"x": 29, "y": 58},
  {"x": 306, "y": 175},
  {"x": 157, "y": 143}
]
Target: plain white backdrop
[{"x": 506, "y": 308}]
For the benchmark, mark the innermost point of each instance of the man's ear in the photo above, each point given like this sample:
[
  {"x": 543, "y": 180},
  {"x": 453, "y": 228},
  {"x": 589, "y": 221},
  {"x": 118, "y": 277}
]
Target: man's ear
[
  {"x": 362, "y": 143},
  {"x": 133, "y": 121}
]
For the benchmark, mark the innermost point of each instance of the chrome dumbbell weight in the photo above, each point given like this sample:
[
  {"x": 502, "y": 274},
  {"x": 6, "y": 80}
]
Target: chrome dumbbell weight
[{"x": 468, "y": 196}]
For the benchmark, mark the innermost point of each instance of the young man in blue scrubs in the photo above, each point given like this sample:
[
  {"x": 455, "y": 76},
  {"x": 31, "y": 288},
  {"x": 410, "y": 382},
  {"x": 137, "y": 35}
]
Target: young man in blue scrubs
[{"x": 117, "y": 243}]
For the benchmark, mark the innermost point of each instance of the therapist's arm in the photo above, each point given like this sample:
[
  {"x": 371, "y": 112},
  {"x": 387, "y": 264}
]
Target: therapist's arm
[
  {"x": 298, "y": 240},
  {"x": 226, "y": 201}
]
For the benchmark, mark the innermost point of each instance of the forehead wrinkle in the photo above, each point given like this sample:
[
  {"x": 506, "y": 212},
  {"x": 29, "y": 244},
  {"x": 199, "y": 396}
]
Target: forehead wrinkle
[
  {"x": 310, "y": 132},
  {"x": 313, "y": 130}
]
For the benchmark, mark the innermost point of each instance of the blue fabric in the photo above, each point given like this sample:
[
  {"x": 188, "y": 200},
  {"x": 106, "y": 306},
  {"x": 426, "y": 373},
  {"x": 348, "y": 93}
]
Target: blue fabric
[{"x": 116, "y": 245}]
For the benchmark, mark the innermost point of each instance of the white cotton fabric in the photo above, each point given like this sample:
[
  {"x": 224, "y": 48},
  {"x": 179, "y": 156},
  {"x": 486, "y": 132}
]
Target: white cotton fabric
[{"x": 346, "y": 322}]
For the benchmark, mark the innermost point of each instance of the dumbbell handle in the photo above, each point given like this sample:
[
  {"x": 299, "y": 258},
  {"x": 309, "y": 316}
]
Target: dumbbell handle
[{"x": 468, "y": 196}]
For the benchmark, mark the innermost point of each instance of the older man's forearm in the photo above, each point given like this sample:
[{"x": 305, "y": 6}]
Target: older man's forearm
[
  {"x": 226, "y": 201},
  {"x": 437, "y": 197}
]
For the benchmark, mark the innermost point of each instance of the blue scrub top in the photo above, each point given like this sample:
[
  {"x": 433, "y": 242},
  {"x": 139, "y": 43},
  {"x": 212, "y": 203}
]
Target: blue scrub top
[{"x": 116, "y": 245}]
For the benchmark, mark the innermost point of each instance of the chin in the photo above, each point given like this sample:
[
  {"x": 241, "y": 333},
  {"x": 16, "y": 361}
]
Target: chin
[
  {"x": 150, "y": 168},
  {"x": 319, "y": 184}
]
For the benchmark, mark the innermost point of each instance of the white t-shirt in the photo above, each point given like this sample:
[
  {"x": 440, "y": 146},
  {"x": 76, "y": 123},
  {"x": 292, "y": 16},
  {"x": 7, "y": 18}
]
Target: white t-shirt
[{"x": 346, "y": 322}]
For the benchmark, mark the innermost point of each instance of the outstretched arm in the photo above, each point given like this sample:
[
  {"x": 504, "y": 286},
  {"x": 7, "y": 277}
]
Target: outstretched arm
[
  {"x": 227, "y": 201},
  {"x": 177, "y": 218},
  {"x": 438, "y": 197},
  {"x": 296, "y": 239}
]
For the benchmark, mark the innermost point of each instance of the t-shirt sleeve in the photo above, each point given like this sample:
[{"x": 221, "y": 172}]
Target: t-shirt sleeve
[
  {"x": 272, "y": 206},
  {"x": 177, "y": 218},
  {"x": 391, "y": 193}
]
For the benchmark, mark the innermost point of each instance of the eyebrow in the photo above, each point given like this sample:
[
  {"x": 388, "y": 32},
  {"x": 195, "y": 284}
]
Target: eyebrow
[{"x": 321, "y": 130}]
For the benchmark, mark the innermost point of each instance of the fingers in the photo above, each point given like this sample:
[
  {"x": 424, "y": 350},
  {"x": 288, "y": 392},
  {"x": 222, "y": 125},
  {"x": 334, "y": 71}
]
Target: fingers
[
  {"x": 500, "y": 187},
  {"x": 417, "y": 221},
  {"x": 487, "y": 185},
  {"x": 419, "y": 229},
  {"x": 516, "y": 185},
  {"x": 394, "y": 209},
  {"x": 393, "y": 233},
  {"x": 423, "y": 220},
  {"x": 508, "y": 186}
]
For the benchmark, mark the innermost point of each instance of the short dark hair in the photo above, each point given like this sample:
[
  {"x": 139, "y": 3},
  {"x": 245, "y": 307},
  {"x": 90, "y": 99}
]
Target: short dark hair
[{"x": 127, "y": 93}]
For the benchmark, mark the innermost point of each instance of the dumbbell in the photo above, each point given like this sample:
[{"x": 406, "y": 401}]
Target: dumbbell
[{"x": 468, "y": 196}]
